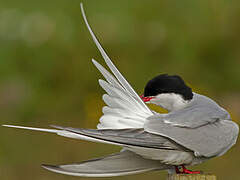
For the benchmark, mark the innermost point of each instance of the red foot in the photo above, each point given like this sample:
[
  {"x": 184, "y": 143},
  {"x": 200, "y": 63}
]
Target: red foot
[
  {"x": 185, "y": 171},
  {"x": 177, "y": 170}
]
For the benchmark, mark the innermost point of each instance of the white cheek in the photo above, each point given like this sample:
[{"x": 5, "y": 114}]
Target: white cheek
[
  {"x": 170, "y": 101},
  {"x": 160, "y": 102},
  {"x": 154, "y": 101}
]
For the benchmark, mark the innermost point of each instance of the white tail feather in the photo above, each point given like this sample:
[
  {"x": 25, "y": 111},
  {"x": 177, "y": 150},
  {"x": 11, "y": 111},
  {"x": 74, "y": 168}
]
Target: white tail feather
[{"x": 63, "y": 133}]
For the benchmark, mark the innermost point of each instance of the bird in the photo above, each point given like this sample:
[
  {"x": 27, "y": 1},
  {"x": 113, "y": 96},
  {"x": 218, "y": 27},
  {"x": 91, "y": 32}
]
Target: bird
[{"x": 194, "y": 129}]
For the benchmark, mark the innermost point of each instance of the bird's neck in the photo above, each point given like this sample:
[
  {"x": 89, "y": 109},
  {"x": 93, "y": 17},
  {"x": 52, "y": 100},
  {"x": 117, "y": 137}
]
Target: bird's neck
[{"x": 170, "y": 101}]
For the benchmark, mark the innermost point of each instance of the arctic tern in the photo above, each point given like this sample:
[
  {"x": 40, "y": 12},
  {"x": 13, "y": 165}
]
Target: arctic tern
[{"x": 194, "y": 130}]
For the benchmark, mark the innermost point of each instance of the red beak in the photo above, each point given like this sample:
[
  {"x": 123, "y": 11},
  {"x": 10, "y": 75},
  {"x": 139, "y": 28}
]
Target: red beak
[{"x": 145, "y": 99}]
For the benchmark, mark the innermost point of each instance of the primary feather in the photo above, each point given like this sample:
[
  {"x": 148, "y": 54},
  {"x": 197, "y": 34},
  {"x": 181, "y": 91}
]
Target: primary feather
[
  {"x": 119, "y": 164},
  {"x": 121, "y": 95}
]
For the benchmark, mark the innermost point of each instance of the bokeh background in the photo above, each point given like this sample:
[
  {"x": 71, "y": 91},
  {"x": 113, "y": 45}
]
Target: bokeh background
[{"x": 46, "y": 74}]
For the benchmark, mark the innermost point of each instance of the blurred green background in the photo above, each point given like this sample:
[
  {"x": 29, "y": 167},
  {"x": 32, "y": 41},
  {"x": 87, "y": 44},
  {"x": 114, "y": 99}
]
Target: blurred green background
[{"x": 46, "y": 74}]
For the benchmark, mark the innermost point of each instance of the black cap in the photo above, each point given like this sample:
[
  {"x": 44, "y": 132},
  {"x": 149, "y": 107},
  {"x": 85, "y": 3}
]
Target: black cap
[{"x": 165, "y": 83}]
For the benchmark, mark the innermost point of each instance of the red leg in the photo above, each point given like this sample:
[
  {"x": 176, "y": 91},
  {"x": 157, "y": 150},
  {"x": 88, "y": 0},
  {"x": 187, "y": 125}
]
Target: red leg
[
  {"x": 177, "y": 170},
  {"x": 187, "y": 171}
]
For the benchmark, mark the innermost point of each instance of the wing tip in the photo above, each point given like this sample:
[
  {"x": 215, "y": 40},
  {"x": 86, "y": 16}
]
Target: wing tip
[
  {"x": 81, "y": 6},
  {"x": 6, "y": 125},
  {"x": 94, "y": 61},
  {"x": 48, "y": 166},
  {"x": 12, "y": 126},
  {"x": 102, "y": 82},
  {"x": 97, "y": 64},
  {"x": 32, "y": 128},
  {"x": 52, "y": 168}
]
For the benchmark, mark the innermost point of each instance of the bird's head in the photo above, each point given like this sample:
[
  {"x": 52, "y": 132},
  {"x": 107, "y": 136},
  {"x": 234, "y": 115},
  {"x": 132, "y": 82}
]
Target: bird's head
[{"x": 168, "y": 91}]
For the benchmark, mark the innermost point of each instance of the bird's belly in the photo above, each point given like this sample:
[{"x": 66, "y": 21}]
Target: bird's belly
[{"x": 171, "y": 157}]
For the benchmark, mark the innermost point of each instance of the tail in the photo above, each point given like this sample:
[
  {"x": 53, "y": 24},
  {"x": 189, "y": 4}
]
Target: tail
[
  {"x": 119, "y": 164},
  {"x": 65, "y": 133}
]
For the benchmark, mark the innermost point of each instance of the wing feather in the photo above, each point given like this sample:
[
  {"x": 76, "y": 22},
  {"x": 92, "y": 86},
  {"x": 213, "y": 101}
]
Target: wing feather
[
  {"x": 120, "y": 97},
  {"x": 119, "y": 164},
  {"x": 113, "y": 68},
  {"x": 212, "y": 139},
  {"x": 108, "y": 76},
  {"x": 115, "y": 92},
  {"x": 131, "y": 137},
  {"x": 63, "y": 133}
]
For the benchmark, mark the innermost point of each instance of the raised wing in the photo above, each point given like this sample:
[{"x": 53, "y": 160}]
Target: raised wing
[
  {"x": 212, "y": 139},
  {"x": 125, "y": 108}
]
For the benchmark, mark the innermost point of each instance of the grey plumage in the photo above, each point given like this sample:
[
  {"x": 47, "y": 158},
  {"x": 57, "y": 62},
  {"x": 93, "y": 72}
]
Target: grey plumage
[
  {"x": 201, "y": 121},
  {"x": 119, "y": 164},
  {"x": 200, "y": 130},
  {"x": 128, "y": 137},
  {"x": 200, "y": 111}
]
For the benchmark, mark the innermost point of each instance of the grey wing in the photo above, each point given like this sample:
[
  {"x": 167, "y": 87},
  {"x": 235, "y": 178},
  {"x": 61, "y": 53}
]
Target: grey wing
[
  {"x": 127, "y": 137},
  {"x": 205, "y": 139},
  {"x": 125, "y": 109},
  {"x": 119, "y": 164},
  {"x": 195, "y": 115},
  {"x": 147, "y": 145}
]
